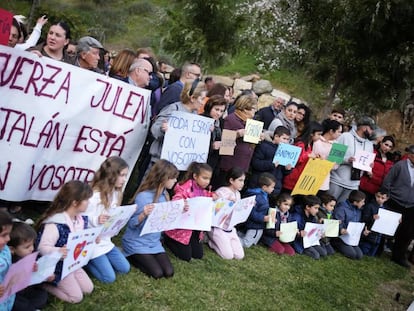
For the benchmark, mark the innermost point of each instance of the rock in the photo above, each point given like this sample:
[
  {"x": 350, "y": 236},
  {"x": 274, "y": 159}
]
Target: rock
[
  {"x": 281, "y": 94},
  {"x": 251, "y": 78},
  {"x": 223, "y": 80},
  {"x": 240, "y": 85},
  {"x": 262, "y": 86}
]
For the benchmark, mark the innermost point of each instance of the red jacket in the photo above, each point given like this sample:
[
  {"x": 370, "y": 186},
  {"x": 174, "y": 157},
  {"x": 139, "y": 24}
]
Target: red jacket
[
  {"x": 290, "y": 180},
  {"x": 380, "y": 169}
]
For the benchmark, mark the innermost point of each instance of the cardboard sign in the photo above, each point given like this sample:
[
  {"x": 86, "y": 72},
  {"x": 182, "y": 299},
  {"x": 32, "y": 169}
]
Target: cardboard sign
[
  {"x": 228, "y": 142},
  {"x": 287, "y": 154},
  {"x": 337, "y": 153}
]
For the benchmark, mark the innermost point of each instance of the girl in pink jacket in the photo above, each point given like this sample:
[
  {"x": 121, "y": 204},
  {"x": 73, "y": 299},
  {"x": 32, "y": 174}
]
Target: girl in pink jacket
[{"x": 185, "y": 243}]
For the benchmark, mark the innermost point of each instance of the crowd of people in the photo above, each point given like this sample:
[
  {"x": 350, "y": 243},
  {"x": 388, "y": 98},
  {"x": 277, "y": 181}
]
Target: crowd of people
[{"x": 347, "y": 194}]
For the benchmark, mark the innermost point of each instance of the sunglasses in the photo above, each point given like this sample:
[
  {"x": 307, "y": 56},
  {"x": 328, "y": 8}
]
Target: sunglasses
[{"x": 193, "y": 87}]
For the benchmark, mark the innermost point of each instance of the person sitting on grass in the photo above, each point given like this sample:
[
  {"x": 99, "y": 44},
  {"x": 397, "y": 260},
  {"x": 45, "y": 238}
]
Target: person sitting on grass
[
  {"x": 328, "y": 203},
  {"x": 259, "y": 215},
  {"x": 346, "y": 212},
  {"x": 306, "y": 212}
]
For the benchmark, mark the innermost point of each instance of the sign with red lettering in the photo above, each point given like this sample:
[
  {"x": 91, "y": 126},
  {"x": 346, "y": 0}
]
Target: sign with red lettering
[
  {"x": 6, "y": 20},
  {"x": 58, "y": 122}
]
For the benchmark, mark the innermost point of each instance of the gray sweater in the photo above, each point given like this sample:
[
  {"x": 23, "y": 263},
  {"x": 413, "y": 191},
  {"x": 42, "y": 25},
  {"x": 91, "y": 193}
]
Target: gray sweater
[{"x": 398, "y": 183}]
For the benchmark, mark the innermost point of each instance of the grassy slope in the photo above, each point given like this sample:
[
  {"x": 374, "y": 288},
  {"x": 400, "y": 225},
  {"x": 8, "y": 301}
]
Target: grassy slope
[{"x": 262, "y": 281}]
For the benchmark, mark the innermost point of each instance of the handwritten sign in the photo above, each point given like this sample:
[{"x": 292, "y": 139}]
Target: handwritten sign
[
  {"x": 287, "y": 154},
  {"x": 312, "y": 177},
  {"x": 331, "y": 227},
  {"x": 363, "y": 160},
  {"x": 387, "y": 223},
  {"x": 187, "y": 139},
  {"x": 60, "y": 122},
  {"x": 228, "y": 142},
  {"x": 18, "y": 276},
  {"x": 289, "y": 231},
  {"x": 45, "y": 267},
  {"x": 252, "y": 131},
  {"x": 337, "y": 153},
  {"x": 241, "y": 211},
  {"x": 80, "y": 248},
  {"x": 118, "y": 218},
  {"x": 6, "y": 21}
]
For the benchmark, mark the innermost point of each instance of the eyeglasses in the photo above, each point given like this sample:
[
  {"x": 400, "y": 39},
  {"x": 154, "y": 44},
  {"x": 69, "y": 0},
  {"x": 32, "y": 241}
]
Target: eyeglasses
[
  {"x": 193, "y": 87},
  {"x": 198, "y": 75},
  {"x": 146, "y": 70}
]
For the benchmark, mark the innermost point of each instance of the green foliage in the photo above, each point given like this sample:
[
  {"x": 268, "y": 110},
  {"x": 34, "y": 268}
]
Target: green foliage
[{"x": 201, "y": 31}]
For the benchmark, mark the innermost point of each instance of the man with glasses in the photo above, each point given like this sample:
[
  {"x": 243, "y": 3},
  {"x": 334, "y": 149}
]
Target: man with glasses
[
  {"x": 189, "y": 72},
  {"x": 140, "y": 73}
]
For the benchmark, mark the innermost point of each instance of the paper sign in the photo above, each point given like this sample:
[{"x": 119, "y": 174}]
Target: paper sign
[
  {"x": 187, "y": 139},
  {"x": 354, "y": 233},
  {"x": 18, "y": 276},
  {"x": 80, "y": 247},
  {"x": 331, "y": 227},
  {"x": 6, "y": 21},
  {"x": 313, "y": 234},
  {"x": 287, "y": 154},
  {"x": 337, "y": 153},
  {"x": 45, "y": 267},
  {"x": 272, "y": 218},
  {"x": 228, "y": 142},
  {"x": 241, "y": 211},
  {"x": 252, "y": 131},
  {"x": 387, "y": 223},
  {"x": 363, "y": 160},
  {"x": 118, "y": 218},
  {"x": 199, "y": 215},
  {"x": 312, "y": 177},
  {"x": 289, "y": 231}
]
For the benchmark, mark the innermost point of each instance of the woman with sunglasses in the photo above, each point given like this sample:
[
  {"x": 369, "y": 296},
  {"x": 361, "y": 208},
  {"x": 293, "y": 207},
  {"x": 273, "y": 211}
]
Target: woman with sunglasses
[
  {"x": 191, "y": 99},
  {"x": 371, "y": 182}
]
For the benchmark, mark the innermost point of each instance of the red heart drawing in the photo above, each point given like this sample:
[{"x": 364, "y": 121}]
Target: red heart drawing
[{"x": 78, "y": 249}]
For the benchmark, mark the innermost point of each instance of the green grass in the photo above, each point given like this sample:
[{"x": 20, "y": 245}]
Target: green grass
[{"x": 262, "y": 281}]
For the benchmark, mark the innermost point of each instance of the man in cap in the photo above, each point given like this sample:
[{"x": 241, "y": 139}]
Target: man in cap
[
  {"x": 399, "y": 183},
  {"x": 88, "y": 54},
  {"x": 345, "y": 178}
]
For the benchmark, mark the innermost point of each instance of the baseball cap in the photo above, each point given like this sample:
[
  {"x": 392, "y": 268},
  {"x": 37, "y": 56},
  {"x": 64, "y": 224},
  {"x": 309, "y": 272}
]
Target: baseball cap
[
  {"x": 365, "y": 120},
  {"x": 88, "y": 42}
]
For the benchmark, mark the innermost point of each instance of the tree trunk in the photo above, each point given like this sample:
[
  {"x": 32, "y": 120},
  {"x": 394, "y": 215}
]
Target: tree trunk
[
  {"x": 334, "y": 89},
  {"x": 32, "y": 19}
]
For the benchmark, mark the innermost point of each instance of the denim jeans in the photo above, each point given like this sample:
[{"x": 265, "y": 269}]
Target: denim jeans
[{"x": 104, "y": 267}]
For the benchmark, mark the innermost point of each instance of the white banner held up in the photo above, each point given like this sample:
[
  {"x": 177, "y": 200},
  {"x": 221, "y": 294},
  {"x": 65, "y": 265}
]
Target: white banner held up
[
  {"x": 187, "y": 139},
  {"x": 59, "y": 122}
]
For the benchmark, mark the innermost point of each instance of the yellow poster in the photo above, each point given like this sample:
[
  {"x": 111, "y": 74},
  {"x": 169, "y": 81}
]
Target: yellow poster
[
  {"x": 312, "y": 176},
  {"x": 252, "y": 131}
]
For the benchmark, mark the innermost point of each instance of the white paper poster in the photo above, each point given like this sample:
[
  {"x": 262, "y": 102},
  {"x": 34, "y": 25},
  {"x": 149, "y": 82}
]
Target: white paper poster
[
  {"x": 354, "y": 233},
  {"x": 387, "y": 223},
  {"x": 314, "y": 233},
  {"x": 363, "y": 160},
  {"x": 118, "y": 218},
  {"x": 289, "y": 231}
]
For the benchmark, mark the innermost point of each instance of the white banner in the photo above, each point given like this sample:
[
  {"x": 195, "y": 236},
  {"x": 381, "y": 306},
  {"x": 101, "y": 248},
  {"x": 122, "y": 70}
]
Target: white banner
[{"x": 59, "y": 122}]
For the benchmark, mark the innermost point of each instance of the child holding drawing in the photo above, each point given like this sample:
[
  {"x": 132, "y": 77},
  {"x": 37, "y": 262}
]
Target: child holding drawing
[
  {"x": 62, "y": 217},
  {"x": 146, "y": 251},
  {"x": 226, "y": 243},
  {"x": 21, "y": 244},
  {"x": 259, "y": 215},
  {"x": 303, "y": 214},
  {"x": 107, "y": 185},
  {"x": 346, "y": 212},
  {"x": 328, "y": 203},
  {"x": 184, "y": 243},
  {"x": 271, "y": 236},
  {"x": 6, "y": 224}
]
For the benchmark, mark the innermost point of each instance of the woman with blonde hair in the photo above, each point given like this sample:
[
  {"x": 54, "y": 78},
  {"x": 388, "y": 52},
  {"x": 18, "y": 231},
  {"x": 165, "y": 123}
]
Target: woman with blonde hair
[{"x": 121, "y": 64}]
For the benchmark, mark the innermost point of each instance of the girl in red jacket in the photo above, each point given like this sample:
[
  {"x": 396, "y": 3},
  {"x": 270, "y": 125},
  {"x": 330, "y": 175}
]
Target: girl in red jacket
[{"x": 184, "y": 243}]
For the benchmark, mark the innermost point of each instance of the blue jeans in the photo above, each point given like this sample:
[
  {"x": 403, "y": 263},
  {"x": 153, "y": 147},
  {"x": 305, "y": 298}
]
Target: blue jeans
[{"x": 104, "y": 267}]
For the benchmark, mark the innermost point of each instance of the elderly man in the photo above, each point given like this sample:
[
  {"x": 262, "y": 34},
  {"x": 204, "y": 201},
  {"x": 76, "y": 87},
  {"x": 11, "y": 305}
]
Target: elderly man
[
  {"x": 140, "y": 73},
  {"x": 88, "y": 54},
  {"x": 267, "y": 114},
  {"x": 399, "y": 183},
  {"x": 189, "y": 72},
  {"x": 345, "y": 178}
]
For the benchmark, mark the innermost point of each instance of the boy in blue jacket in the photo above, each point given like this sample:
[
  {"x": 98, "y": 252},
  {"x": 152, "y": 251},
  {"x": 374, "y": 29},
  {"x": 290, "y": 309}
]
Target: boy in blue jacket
[
  {"x": 307, "y": 213},
  {"x": 258, "y": 217}
]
